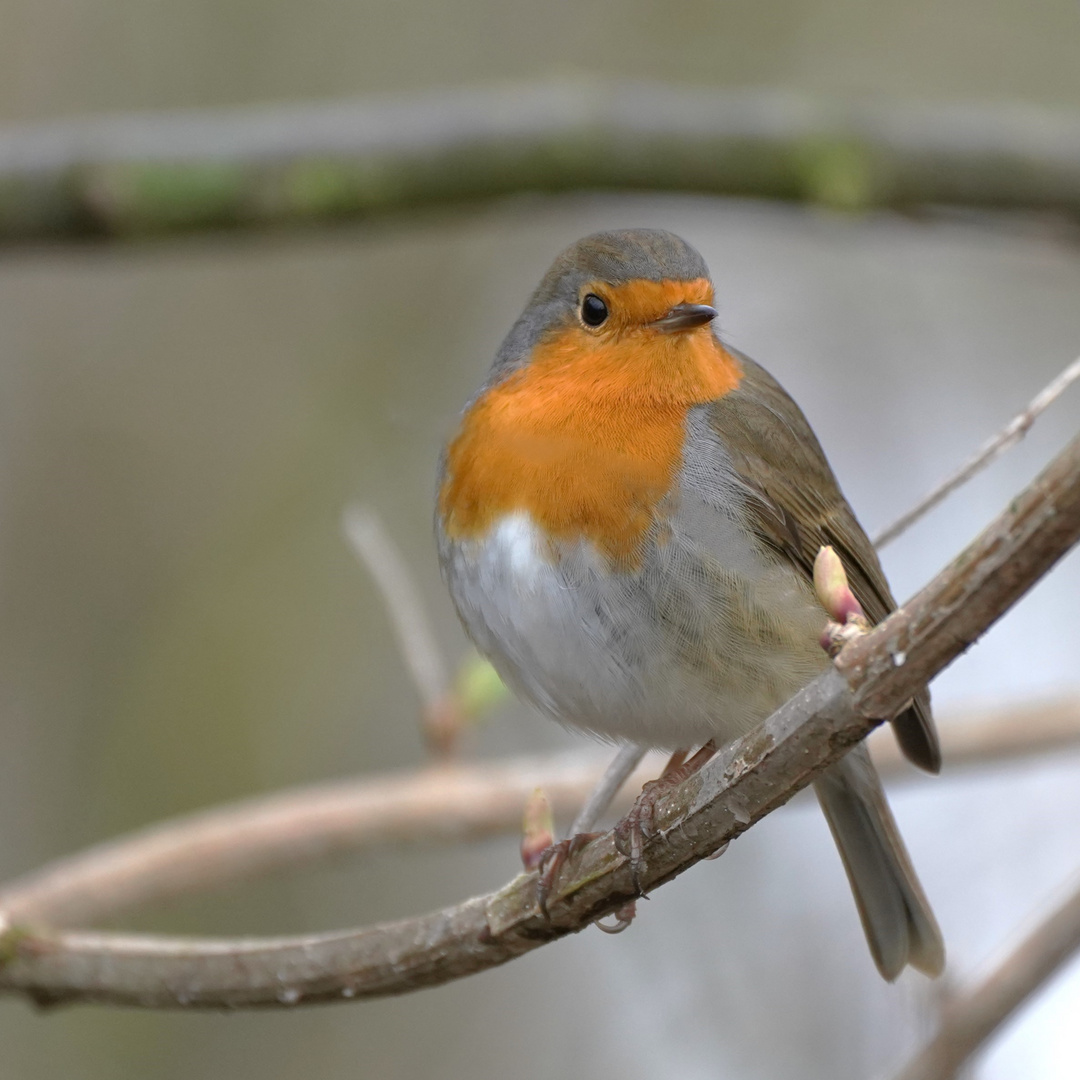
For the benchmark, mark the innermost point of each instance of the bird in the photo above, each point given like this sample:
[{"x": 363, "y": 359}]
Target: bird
[{"x": 627, "y": 518}]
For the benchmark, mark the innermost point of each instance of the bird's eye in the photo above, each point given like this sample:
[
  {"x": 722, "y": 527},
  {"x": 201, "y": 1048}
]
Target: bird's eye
[{"x": 593, "y": 310}]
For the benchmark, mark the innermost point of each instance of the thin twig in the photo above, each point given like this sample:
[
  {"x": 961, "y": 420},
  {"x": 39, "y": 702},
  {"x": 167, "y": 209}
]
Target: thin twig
[
  {"x": 377, "y": 551},
  {"x": 113, "y": 176},
  {"x": 994, "y": 447},
  {"x": 872, "y": 678},
  {"x": 970, "y": 1019}
]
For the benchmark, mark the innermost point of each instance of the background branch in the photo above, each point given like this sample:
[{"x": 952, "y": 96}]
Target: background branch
[
  {"x": 374, "y": 547},
  {"x": 257, "y": 166},
  {"x": 971, "y": 1018},
  {"x": 439, "y": 804},
  {"x": 442, "y": 804},
  {"x": 872, "y": 678},
  {"x": 442, "y": 716}
]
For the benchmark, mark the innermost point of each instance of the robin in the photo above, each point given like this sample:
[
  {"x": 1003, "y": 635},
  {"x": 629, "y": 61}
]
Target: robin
[{"x": 627, "y": 520}]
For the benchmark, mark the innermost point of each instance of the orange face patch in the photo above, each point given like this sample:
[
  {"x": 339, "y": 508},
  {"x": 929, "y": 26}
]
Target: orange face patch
[
  {"x": 635, "y": 304},
  {"x": 587, "y": 437}
]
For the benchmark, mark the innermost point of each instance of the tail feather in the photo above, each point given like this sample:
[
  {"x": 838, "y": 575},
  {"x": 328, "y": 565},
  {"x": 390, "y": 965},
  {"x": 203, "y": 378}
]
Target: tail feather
[
  {"x": 899, "y": 925},
  {"x": 914, "y": 731}
]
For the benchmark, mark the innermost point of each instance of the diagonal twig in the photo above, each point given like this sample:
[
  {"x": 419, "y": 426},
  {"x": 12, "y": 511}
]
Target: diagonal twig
[
  {"x": 373, "y": 546},
  {"x": 993, "y": 448}
]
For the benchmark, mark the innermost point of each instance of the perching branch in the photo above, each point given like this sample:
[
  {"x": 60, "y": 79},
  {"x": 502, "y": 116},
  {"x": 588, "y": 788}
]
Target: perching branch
[
  {"x": 873, "y": 678},
  {"x": 970, "y": 1019},
  {"x": 253, "y": 167},
  {"x": 967, "y": 597}
]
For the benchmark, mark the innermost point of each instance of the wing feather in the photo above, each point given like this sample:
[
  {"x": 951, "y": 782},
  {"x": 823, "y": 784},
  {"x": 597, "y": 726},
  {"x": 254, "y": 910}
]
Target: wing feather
[{"x": 796, "y": 506}]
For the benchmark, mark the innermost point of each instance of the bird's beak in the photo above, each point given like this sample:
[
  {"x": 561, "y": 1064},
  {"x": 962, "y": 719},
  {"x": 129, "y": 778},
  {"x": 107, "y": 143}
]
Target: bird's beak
[{"x": 685, "y": 317}]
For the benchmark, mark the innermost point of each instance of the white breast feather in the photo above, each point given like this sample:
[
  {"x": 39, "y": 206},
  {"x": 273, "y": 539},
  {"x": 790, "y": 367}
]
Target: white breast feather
[{"x": 516, "y": 543}]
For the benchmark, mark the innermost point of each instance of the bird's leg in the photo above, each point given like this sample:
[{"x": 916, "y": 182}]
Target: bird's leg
[
  {"x": 555, "y": 857},
  {"x": 638, "y": 825},
  {"x": 674, "y": 762},
  {"x": 617, "y": 773}
]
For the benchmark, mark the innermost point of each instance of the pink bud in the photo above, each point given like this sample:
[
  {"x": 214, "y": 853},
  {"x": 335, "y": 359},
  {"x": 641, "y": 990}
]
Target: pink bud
[
  {"x": 831, "y": 585},
  {"x": 443, "y": 726},
  {"x": 537, "y": 829}
]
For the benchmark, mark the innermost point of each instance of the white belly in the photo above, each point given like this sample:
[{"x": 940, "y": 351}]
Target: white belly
[{"x": 703, "y": 641}]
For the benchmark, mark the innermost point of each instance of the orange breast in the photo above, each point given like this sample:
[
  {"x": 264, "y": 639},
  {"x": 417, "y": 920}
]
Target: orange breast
[{"x": 587, "y": 438}]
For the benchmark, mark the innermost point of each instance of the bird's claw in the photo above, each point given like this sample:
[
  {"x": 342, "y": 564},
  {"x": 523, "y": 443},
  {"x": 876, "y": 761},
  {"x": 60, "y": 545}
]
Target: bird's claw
[
  {"x": 551, "y": 862},
  {"x": 624, "y": 916},
  {"x": 639, "y": 826}
]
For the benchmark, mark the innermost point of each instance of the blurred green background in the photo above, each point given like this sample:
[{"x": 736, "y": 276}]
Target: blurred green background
[{"x": 181, "y": 622}]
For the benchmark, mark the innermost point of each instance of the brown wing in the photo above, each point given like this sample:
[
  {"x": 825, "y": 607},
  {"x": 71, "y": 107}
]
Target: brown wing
[{"x": 797, "y": 507}]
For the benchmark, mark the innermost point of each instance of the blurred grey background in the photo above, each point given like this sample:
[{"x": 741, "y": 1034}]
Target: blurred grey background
[{"x": 181, "y": 622}]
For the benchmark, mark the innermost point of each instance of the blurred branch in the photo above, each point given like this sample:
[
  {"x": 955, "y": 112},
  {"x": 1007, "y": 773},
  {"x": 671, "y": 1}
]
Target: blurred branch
[
  {"x": 988, "y": 736},
  {"x": 444, "y": 804},
  {"x": 994, "y": 447},
  {"x": 111, "y": 176},
  {"x": 971, "y": 1018},
  {"x": 872, "y": 678},
  {"x": 373, "y": 546},
  {"x": 441, "y": 714}
]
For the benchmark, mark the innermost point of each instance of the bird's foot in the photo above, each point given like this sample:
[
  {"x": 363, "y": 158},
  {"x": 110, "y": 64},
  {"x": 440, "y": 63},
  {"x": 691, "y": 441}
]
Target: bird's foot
[
  {"x": 551, "y": 862},
  {"x": 623, "y": 916},
  {"x": 639, "y": 825}
]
